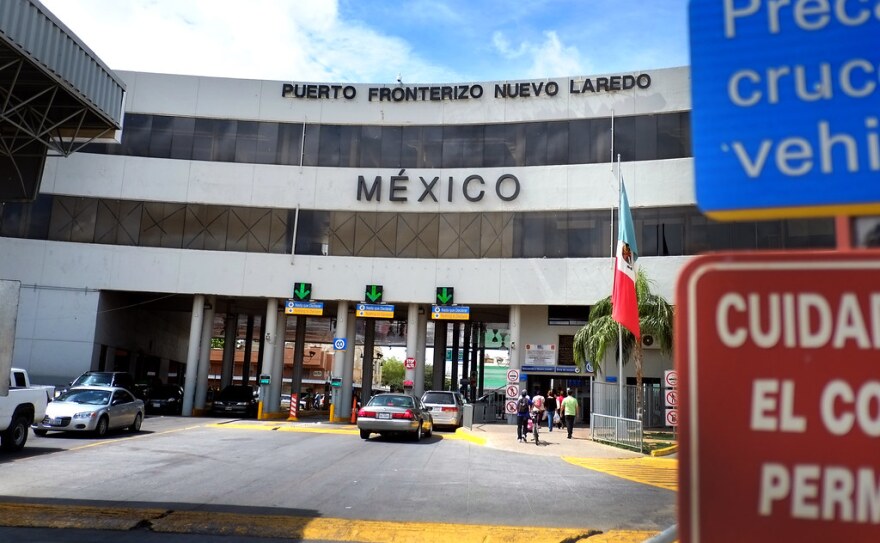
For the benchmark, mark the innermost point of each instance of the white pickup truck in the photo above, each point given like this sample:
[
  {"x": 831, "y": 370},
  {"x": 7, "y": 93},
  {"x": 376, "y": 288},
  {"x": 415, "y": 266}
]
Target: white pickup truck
[{"x": 20, "y": 408}]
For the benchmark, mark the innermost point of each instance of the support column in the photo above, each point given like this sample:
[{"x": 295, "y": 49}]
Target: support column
[
  {"x": 229, "y": 338},
  {"x": 482, "y": 351},
  {"x": 270, "y": 339},
  {"x": 456, "y": 333},
  {"x": 439, "y": 354},
  {"x": 192, "y": 354},
  {"x": 277, "y": 363},
  {"x": 205, "y": 354},
  {"x": 367, "y": 361},
  {"x": 248, "y": 349},
  {"x": 298, "y": 348},
  {"x": 475, "y": 363},
  {"x": 466, "y": 358},
  {"x": 412, "y": 340},
  {"x": 345, "y": 395},
  {"x": 515, "y": 350},
  {"x": 421, "y": 349},
  {"x": 340, "y": 410}
]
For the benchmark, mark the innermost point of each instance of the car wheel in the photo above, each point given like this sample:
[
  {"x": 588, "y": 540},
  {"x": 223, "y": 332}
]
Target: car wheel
[
  {"x": 101, "y": 428},
  {"x": 418, "y": 433},
  {"x": 136, "y": 427},
  {"x": 365, "y": 434},
  {"x": 430, "y": 431},
  {"x": 41, "y": 433},
  {"x": 14, "y": 438}
]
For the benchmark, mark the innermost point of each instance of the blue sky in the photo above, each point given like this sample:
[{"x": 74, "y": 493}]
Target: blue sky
[{"x": 372, "y": 41}]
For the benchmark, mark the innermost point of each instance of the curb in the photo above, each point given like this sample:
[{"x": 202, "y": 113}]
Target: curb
[
  {"x": 466, "y": 435},
  {"x": 663, "y": 452}
]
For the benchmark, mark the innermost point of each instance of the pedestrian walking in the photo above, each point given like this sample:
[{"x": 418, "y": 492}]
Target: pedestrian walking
[
  {"x": 550, "y": 407},
  {"x": 523, "y": 405},
  {"x": 569, "y": 410}
]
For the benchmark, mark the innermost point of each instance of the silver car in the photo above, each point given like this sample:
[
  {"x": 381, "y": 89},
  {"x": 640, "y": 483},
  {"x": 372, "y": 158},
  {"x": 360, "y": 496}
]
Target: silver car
[
  {"x": 446, "y": 407},
  {"x": 395, "y": 413},
  {"x": 94, "y": 409}
]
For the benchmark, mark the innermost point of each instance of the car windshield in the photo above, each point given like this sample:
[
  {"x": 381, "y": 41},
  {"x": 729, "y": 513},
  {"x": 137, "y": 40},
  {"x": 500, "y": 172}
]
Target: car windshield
[
  {"x": 101, "y": 379},
  {"x": 391, "y": 401},
  {"x": 86, "y": 397},
  {"x": 443, "y": 398},
  {"x": 237, "y": 394}
]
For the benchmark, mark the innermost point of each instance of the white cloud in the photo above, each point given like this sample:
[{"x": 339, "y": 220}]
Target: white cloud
[
  {"x": 552, "y": 58},
  {"x": 549, "y": 58}
]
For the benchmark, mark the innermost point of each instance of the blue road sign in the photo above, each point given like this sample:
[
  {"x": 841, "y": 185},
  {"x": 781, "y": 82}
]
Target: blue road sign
[
  {"x": 339, "y": 343},
  {"x": 786, "y": 101}
]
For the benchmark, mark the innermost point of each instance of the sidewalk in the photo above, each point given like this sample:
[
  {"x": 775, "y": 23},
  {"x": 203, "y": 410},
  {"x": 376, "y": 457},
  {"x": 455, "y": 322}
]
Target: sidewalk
[{"x": 503, "y": 436}]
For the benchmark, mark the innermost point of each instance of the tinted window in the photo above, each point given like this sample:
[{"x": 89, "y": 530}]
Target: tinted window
[
  {"x": 444, "y": 398},
  {"x": 237, "y": 393}
]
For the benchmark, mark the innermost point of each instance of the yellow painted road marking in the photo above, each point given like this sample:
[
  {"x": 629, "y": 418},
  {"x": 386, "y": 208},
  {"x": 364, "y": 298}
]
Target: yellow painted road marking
[
  {"x": 659, "y": 472},
  {"x": 140, "y": 435},
  {"x": 292, "y": 527},
  {"x": 346, "y": 430}
]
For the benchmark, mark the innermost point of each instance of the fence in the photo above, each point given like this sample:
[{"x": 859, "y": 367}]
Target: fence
[
  {"x": 606, "y": 401},
  {"x": 626, "y": 432}
]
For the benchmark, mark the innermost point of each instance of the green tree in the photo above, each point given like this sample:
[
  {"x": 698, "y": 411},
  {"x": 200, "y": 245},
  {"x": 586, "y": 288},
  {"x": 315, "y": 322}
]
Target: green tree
[
  {"x": 601, "y": 331},
  {"x": 392, "y": 373}
]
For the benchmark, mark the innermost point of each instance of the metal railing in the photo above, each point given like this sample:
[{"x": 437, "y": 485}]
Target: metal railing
[{"x": 617, "y": 430}]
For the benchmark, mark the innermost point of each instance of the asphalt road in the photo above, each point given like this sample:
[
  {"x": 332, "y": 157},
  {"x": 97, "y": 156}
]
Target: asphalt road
[{"x": 285, "y": 480}]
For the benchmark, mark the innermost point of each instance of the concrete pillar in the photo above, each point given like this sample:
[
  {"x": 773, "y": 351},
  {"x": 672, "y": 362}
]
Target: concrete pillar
[
  {"x": 339, "y": 410},
  {"x": 164, "y": 366},
  {"x": 440, "y": 328},
  {"x": 367, "y": 361},
  {"x": 296, "y": 385},
  {"x": 421, "y": 349},
  {"x": 516, "y": 349},
  {"x": 192, "y": 354},
  {"x": 277, "y": 364},
  {"x": 344, "y": 412},
  {"x": 229, "y": 337},
  {"x": 456, "y": 337},
  {"x": 205, "y": 353},
  {"x": 248, "y": 350},
  {"x": 412, "y": 340},
  {"x": 270, "y": 339}
]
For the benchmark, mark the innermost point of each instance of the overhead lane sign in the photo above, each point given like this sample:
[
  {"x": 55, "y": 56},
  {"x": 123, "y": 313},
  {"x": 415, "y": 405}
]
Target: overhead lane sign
[
  {"x": 450, "y": 312},
  {"x": 786, "y": 107},
  {"x": 375, "y": 311},
  {"x": 314, "y": 309}
]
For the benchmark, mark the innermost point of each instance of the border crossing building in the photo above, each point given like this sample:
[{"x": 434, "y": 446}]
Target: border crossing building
[{"x": 219, "y": 198}]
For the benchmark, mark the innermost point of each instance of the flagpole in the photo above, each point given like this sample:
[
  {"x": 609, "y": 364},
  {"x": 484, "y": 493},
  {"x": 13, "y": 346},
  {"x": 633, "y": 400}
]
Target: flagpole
[{"x": 619, "y": 327}]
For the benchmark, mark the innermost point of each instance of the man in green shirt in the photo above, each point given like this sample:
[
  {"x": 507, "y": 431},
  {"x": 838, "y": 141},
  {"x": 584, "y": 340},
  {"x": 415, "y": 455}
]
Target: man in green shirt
[{"x": 569, "y": 411}]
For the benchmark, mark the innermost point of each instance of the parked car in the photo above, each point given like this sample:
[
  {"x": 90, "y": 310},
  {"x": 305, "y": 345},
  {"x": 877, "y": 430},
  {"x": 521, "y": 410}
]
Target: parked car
[
  {"x": 95, "y": 409},
  {"x": 165, "y": 399},
  {"x": 235, "y": 400},
  {"x": 446, "y": 407},
  {"x": 395, "y": 413},
  {"x": 108, "y": 379}
]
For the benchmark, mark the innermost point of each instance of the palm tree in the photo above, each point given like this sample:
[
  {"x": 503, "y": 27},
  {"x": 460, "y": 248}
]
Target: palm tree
[{"x": 600, "y": 332}]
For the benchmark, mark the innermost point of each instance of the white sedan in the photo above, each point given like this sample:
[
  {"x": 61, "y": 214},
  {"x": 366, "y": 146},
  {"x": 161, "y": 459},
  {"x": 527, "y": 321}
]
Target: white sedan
[{"x": 92, "y": 409}]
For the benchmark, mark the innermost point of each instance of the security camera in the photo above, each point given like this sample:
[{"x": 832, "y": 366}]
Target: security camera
[{"x": 399, "y": 79}]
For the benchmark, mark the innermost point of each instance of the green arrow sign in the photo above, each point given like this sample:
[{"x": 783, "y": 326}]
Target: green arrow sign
[
  {"x": 302, "y": 291},
  {"x": 373, "y": 294},
  {"x": 444, "y": 295}
]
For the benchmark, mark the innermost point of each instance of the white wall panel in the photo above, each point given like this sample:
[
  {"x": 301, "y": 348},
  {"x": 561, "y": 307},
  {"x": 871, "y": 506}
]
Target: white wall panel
[{"x": 156, "y": 180}]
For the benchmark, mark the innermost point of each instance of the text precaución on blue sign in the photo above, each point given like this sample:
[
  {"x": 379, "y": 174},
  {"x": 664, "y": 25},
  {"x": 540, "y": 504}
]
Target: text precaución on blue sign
[{"x": 785, "y": 104}]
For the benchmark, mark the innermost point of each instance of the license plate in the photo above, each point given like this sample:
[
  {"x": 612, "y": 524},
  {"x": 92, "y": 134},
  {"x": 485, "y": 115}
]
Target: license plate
[
  {"x": 58, "y": 422},
  {"x": 228, "y": 409},
  {"x": 156, "y": 404},
  {"x": 383, "y": 415}
]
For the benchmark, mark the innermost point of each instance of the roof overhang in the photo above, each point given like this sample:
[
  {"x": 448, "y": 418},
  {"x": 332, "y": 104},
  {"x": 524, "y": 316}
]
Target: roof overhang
[{"x": 55, "y": 95}]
